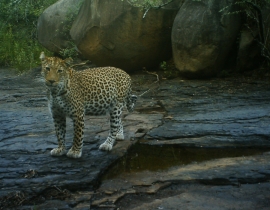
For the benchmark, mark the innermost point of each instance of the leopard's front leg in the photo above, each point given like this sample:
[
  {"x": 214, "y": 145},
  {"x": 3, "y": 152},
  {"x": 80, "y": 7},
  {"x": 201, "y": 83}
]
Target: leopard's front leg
[
  {"x": 60, "y": 129},
  {"x": 76, "y": 149}
]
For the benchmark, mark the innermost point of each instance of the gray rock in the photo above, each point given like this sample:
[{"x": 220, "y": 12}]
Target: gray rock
[
  {"x": 192, "y": 197},
  {"x": 250, "y": 51},
  {"x": 220, "y": 114},
  {"x": 249, "y": 54},
  {"x": 27, "y": 136},
  {"x": 203, "y": 38},
  {"x": 114, "y": 33},
  {"x": 55, "y": 22}
]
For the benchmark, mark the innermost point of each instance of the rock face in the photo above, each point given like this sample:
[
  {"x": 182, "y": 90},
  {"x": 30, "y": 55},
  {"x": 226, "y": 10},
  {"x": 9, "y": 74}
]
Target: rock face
[
  {"x": 55, "y": 22},
  {"x": 203, "y": 38},
  {"x": 114, "y": 33},
  {"x": 203, "y": 120},
  {"x": 266, "y": 22},
  {"x": 34, "y": 136},
  {"x": 249, "y": 54}
]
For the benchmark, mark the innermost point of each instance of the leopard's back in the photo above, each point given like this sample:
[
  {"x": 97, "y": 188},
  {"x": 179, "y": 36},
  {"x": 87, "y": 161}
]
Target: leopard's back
[
  {"x": 105, "y": 79},
  {"x": 101, "y": 87}
]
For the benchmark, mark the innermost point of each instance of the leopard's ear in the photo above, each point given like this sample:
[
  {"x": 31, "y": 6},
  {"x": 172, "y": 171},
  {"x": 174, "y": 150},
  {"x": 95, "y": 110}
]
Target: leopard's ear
[
  {"x": 68, "y": 61},
  {"x": 70, "y": 74},
  {"x": 42, "y": 56}
]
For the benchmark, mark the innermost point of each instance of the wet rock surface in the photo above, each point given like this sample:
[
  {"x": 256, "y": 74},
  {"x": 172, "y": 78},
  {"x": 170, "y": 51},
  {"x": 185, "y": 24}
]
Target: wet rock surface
[{"x": 213, "y": 114}]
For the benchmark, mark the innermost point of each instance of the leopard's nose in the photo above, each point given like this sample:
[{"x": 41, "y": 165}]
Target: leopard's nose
[{"x": 51, "y": 81}]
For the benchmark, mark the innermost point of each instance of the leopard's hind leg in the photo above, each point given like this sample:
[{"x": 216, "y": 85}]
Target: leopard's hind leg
[
  {"x": 130, "y": 104},
  {"x": 120, "y": 131},
  {"x": 131, "y": 101},
  {"x": 116, "y": 127}
]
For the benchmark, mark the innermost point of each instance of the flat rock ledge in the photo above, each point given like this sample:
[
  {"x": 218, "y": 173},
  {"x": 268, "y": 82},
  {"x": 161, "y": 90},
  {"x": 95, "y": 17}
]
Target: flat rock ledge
[{"x": 229, "y": 113}]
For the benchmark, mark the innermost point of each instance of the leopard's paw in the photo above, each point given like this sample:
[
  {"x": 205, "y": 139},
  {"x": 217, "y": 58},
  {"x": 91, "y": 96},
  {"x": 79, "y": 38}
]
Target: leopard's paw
[
  {"x": 105, "y": 146},
  {"x": 58, "y": 151},
  {"x": 74, "y": 153},
  {"x": 120, "y": 136}
]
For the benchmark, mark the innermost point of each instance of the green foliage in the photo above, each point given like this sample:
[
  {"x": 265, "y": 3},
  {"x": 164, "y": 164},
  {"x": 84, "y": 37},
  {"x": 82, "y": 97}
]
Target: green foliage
[
  {"x": 18, "y": 38},
  {"x": 164, "y": 65},
  {"x": 147, "y": 4},
  {"x": 224, "y": 74},
  {"x": 168, "y": 69},
  {"x": 69, "y": 52}
]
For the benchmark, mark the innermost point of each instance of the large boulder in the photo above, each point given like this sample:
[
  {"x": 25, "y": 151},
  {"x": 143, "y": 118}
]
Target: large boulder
[
  {"x": 114, "y": 33},
  {"x": 204, "y": 38},
  {"x": 250, "y": 51},
  {"x": 55, "y": 22},
  {"x": 266, "y": 23}
]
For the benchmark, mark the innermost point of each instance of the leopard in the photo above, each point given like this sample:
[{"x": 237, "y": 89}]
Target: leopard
[{"x": 93, "y": 91}]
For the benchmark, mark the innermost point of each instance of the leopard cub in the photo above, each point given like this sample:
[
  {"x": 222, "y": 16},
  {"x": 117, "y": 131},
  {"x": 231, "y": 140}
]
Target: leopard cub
[{"x": 75, "y": 94}]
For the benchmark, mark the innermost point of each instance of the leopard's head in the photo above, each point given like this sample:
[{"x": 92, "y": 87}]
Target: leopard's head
[{"x": 55, "y": 71}]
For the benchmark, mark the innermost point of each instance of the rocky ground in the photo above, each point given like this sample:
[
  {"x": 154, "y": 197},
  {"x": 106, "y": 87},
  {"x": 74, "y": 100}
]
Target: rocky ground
[{"x": 189, "y": 145}]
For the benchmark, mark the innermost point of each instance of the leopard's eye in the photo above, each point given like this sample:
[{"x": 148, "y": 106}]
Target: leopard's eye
[
  {"x": 47, "y": 68},
  {"x": 59, "y": 70}
]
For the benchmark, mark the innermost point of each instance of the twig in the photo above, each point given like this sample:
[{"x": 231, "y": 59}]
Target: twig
[
  {"x": 162, "y": 5},
  {"x": 106, "y": 206},
  {"x": 58, "y": 189},
  {"x": 146, "y": 12},
  {"x": 153, "y": 73},
  {"x": 266, "y": 36},
  {"x": 80, "y": 64},
  {"x": 157, "y": 7},
  {"x": 56, "y": 45}
]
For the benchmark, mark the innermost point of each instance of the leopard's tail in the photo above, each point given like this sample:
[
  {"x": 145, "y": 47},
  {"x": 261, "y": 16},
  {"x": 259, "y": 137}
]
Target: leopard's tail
[{"x": 131, "y": 101}]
